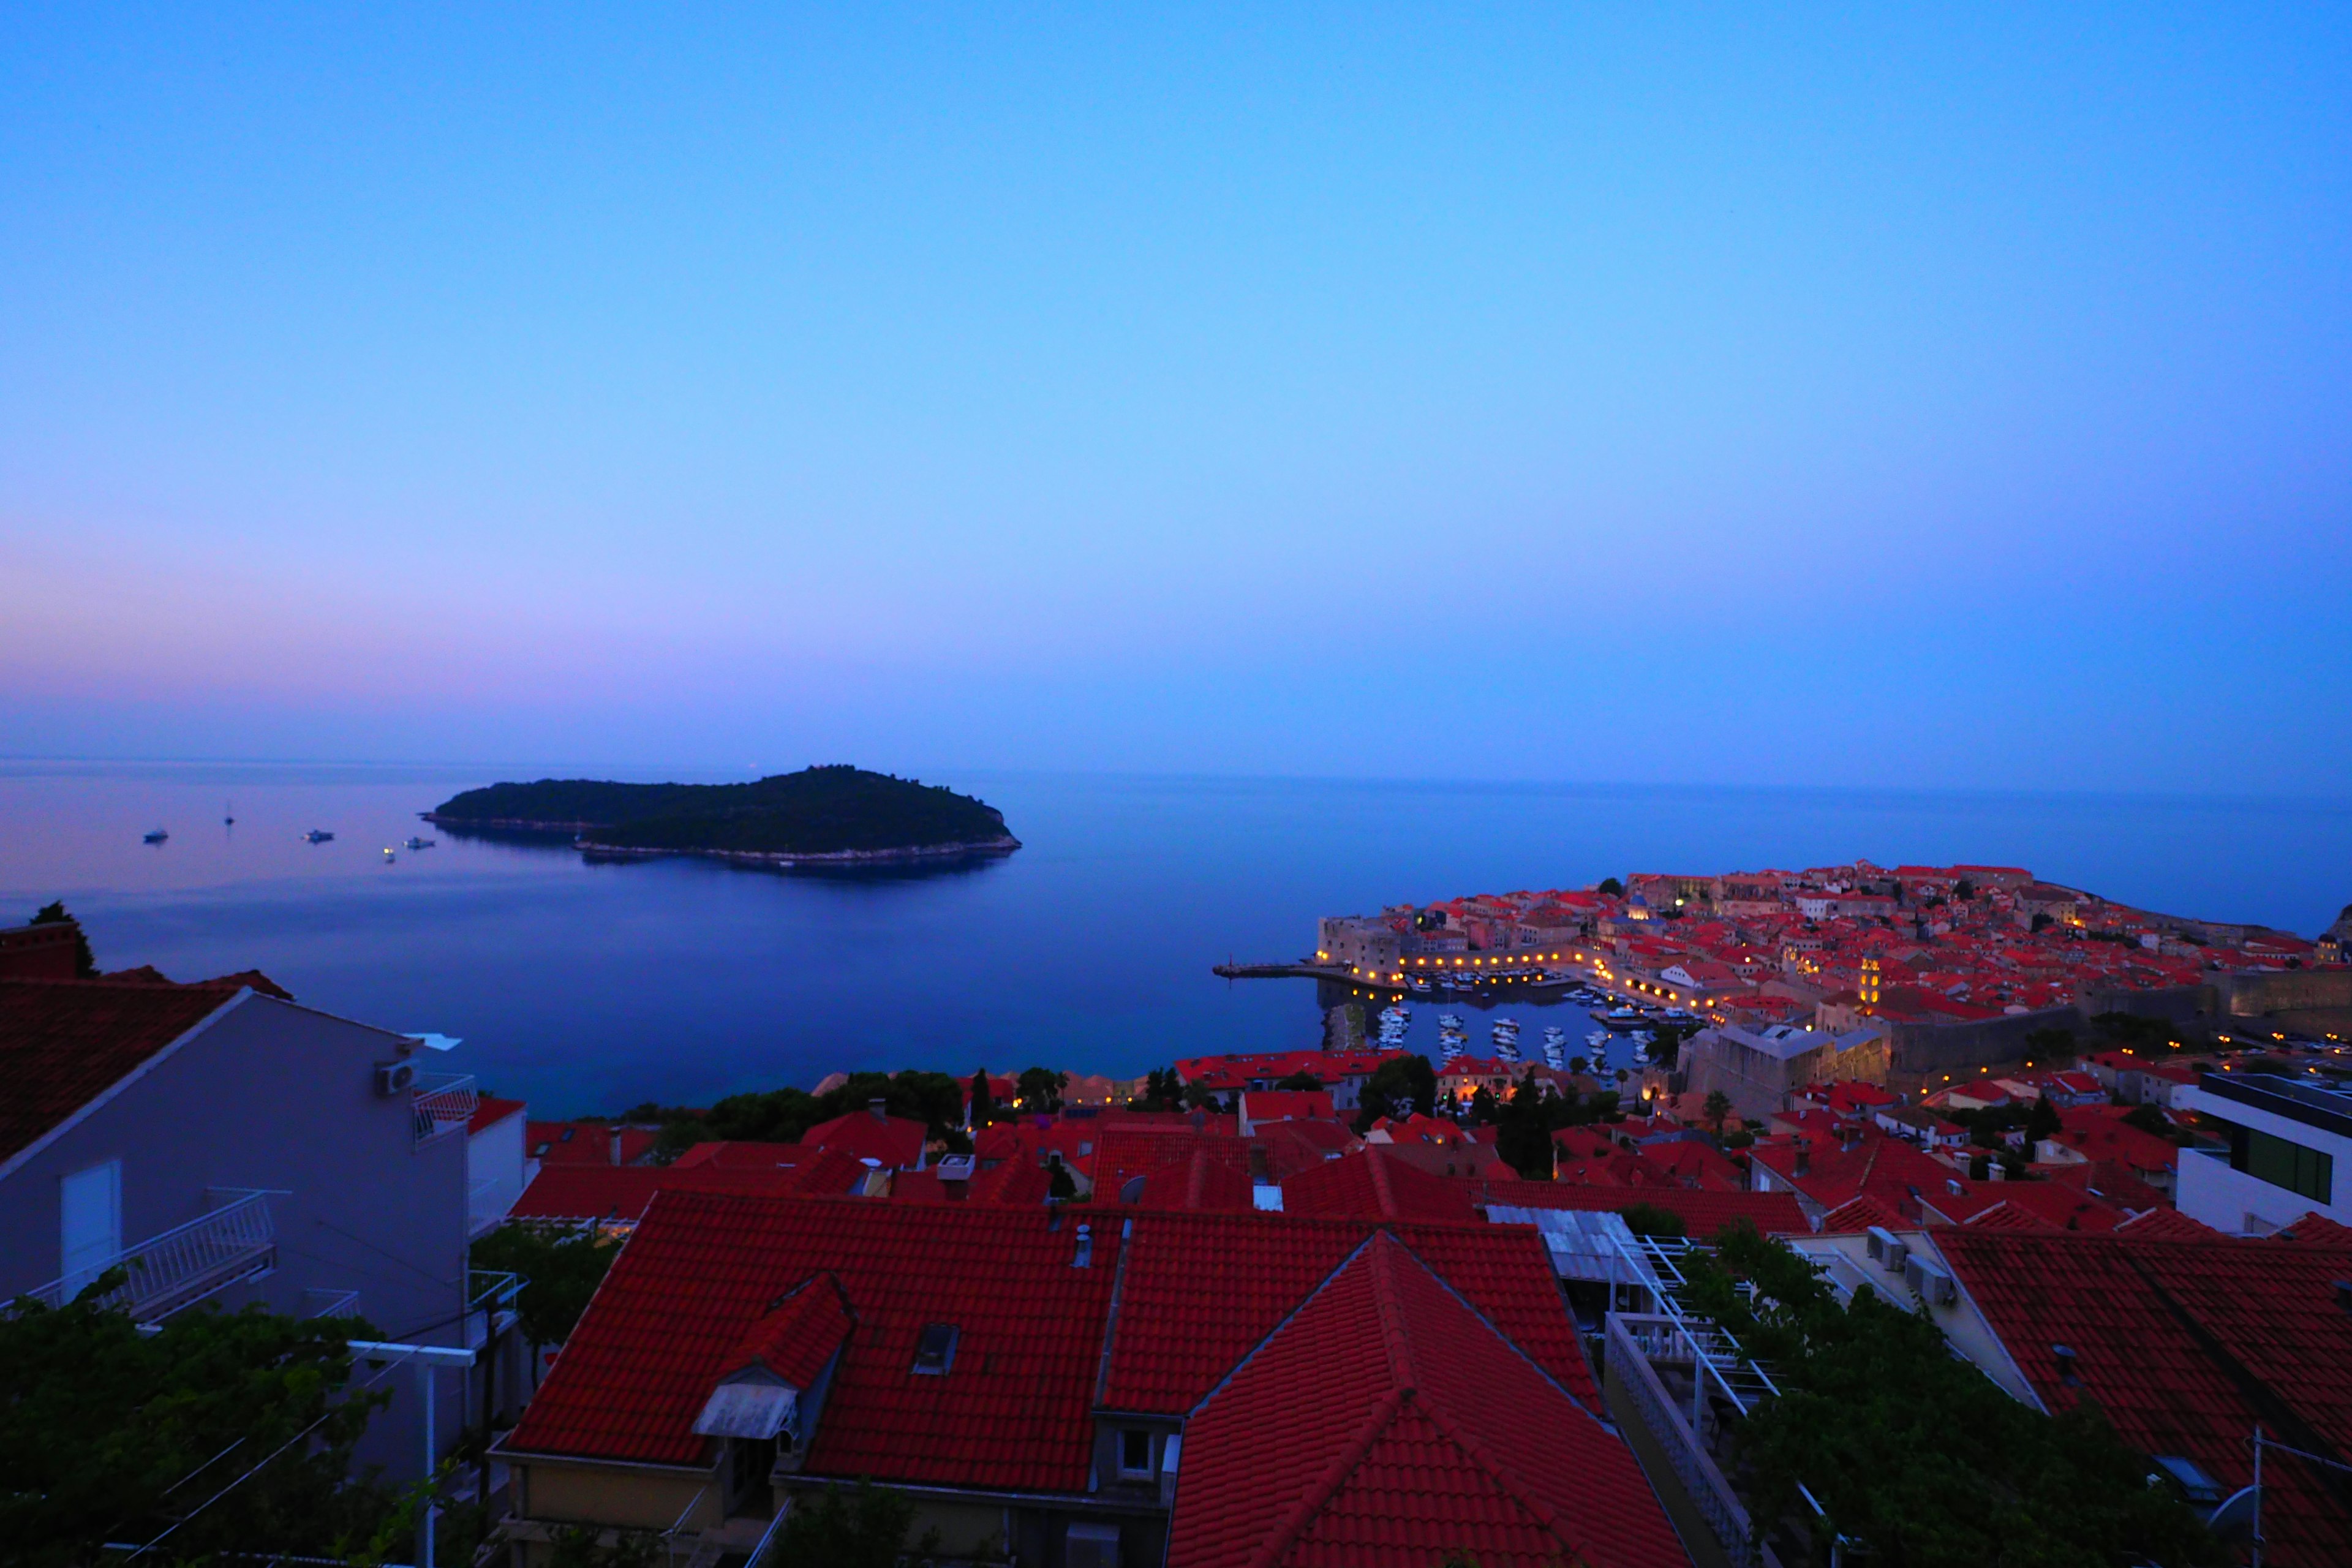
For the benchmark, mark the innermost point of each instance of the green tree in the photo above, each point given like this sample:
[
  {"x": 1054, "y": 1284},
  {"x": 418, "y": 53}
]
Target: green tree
[
  {"x": 2148, "y": 1119},
  {"x": 233, "y": 1431},
  {"x": 561, "y": 1269},
  {"x": 54, "y": 914},
  {"x": 1301, "y": 1080},
  {"x": 1913, "y": 1451},
  {"x": 1523, "y": 1132},
  {"x": 983, "y": 1106},
  {"x": 1648, "y": 1219},
  {"x": 1059, "y": 1183},
  {"x": 1964, "y": 889},
  {"x": 1400, "y": 1087},
  {"x": 1484, "y": 1107},
  {"x": 1716, "y": 1108},
  {"x": 863, "y": 1526},
  {"x": 2041, "y": 1121},
  {"x": 1611, "y": 887},
  {"x": 1040, "y": 1088}
]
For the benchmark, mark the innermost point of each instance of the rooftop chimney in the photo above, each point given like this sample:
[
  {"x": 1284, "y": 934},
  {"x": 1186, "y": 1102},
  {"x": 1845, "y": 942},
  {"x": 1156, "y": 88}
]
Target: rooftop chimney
[
  {"x": 2065, "y": 1359},
  {"x": 1804, "y": 1157},
  {"x": 875, "y": 1105},
  {"x": 1085, "y": 1256}
]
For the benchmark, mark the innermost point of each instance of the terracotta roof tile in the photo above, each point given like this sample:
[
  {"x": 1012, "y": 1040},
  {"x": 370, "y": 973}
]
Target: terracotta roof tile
[
  {"x": 65, "y": 1042},
  {"x": 2185, "y": 1345},
  {"x": 1435, "y": 1435}
]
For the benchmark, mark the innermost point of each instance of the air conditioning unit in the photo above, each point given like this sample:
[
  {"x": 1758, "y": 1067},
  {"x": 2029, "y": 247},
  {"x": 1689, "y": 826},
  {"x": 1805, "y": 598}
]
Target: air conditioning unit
[
  {"x": 394, "y": 1078},
  {"x": 1930, "y": 1283},
  {"x": 1888, "y": 1249}
]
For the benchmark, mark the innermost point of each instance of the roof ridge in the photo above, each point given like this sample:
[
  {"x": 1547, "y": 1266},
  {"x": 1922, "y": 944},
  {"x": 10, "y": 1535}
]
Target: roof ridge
[
  {"x": 1267, "y": 1338},
  {"x": 1393, "y": 1338},
  {"x": 1380, "y": 1193},
  {"x": 1496, "y": 1329},
  {"x": 1514, "y": 1483},
  {"x": 1334, "y": 1475}
]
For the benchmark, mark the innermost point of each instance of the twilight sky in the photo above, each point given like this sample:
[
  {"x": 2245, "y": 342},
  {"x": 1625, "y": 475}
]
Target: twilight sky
[{"x": 1571, "y": 392}]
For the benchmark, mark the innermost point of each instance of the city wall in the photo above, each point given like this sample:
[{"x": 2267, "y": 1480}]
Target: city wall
[
  {"x": 2297, "y": 990},
  {"x": 1920, "y": 1055}
]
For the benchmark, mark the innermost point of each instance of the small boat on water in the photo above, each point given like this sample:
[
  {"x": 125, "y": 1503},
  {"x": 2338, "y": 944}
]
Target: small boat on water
[
  {"x": 228, "y": 814},
  {"x": 1621, "y": 1018},
  {"x": 388, "y": 855},
  {"x": 414, "y": 843},
  {"x": 156, "y": 837},
  {"x": 318, "y": 835}
]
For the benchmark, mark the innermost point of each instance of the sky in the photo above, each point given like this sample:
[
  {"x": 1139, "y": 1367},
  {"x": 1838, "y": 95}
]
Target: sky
[{"x": 1812, "y": 395}]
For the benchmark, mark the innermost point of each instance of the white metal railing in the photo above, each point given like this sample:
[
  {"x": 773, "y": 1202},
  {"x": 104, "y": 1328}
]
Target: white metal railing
[
  {"x": 443, "y": 1102},
  {"x": 183, "y": 1265},
  {"x": 324, "y": 1303},
  {"x": 1632, "y": 1340}
]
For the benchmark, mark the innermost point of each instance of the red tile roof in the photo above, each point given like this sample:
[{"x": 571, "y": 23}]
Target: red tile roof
[
  {"x": 2316, "y": 1229},
  {"x": 1774, "y": 1214},
  {"x": 897, "y": 1142},
  {"x": 587, "y": 1144},
  {"x": 63, "y": 1043},
  {"x": 489, "y": 1110},
  {"x": 1036, "y": 1349},
  {"x": 1433, "y": 1435},
  {"x": 2185, "y": 1345},
  {"x": 1199, "y": 1180},
  {"x": 1011, "y": 1412},
  {"x": 1858, "y": 1216},
  {"x": 2166, "y": 1225},
  {"x": 1374, "y": 1182},
  {"x": 1203, "y": 1289},
  {"x": 799, "y": 1337},
  {"x": 1123, "y": 1152},
  {"x": 620, "y": 1194},
  {"x": 742, "y": 1155}
]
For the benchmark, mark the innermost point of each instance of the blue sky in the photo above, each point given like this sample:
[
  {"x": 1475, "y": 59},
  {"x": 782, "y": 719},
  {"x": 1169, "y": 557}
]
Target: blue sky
[{"x": 1956, "y": 397}]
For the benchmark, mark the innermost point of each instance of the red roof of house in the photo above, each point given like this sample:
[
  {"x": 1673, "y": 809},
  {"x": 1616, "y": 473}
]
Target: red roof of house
[
  {"x": 585, "y": 1143},
  {"x": 1013, "y": 1184},
  {"x": 1012, "y": 1410},
  {"x": 1291, "y": 1147},
  {"x": 2166, "y": 1225},
  {"x": 2315, "y": 1229},
  {"x": 1288, "y": 1105},
  {"x": 2185, "y": 1345},
  {"x": 63, "y": 1043},
  {"x": 1858, "y": 1216},
  {"x": 1199, "y": 1180},
  {"x": 1375, "y": 1184},
  {"x": 742, "y": 1154},
  {"x": 799, "y": 1336},
  {"x": 489, "y": 1110},
  {"x": 1124, "y": 1153},
  {"x": 1774, "y": 1214},
  {"x": 1036, "y": 1349},
  {"x": 622, "y": 1193},
  {"x": 2060, "y": 1204},
  {"x": 1434, "y": 1433},
  {"x": 1203, "y": 1289},
  {"x": 897, "y": 1142}
]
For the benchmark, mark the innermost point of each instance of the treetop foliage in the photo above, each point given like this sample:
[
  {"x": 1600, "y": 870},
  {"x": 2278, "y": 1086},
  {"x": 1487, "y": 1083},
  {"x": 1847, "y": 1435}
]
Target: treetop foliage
[{"x": 1916, "y": 1452}]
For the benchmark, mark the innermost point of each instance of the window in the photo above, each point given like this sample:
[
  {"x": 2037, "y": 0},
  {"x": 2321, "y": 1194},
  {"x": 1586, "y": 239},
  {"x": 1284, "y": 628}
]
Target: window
[
  {"x": 1091, "y": 1545},
  {"x": 89, "y": 1228},
  {"x": 1135, "y": 1453},
  {"x": 2281, "y": 1162},
  {"x": 2306, "y": 1173},
  {"x": 935, "y": 1352}
]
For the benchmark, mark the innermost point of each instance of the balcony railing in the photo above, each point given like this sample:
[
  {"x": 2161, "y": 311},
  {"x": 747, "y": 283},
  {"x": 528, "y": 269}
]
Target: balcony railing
[
  {"x": 182, "y": 1265},
  {"x": 444, "y": 1103}
]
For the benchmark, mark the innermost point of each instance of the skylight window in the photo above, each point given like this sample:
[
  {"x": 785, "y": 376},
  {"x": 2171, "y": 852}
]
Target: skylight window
[{"x": 935, "y": 1352}]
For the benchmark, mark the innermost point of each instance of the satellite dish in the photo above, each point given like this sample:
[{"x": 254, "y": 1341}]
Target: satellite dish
[{"x": 2234, "y": 1520}]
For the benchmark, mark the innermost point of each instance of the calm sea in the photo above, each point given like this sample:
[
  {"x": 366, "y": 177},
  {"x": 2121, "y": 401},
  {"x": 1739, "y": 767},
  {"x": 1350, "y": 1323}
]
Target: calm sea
[{"x": 588, "y": 987}]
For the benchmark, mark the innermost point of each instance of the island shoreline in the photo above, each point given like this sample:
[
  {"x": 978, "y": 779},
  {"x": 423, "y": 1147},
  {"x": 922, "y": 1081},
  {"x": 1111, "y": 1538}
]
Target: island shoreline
[{"x": 581, "y": 840}]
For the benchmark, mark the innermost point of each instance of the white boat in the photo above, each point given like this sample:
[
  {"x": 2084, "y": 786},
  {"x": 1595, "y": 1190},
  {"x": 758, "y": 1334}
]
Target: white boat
[{"x": 414, "y": 843}]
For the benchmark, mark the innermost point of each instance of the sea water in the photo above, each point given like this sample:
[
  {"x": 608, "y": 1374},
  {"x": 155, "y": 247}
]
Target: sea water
[{"x": 589, "y": 987}]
